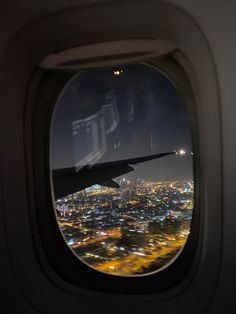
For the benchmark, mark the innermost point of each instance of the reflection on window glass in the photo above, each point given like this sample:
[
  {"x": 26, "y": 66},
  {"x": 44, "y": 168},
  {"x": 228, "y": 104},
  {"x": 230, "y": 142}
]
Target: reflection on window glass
[{"x": 121, "y": 160}]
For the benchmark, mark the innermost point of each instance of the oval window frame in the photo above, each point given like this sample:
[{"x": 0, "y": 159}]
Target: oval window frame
[
  {"x": 182, "y": 89},
  {"x": 58, "y": 254}
]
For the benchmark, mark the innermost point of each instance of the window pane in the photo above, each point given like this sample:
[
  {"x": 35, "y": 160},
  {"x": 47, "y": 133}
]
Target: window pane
[{"x": 122, "y": 174}]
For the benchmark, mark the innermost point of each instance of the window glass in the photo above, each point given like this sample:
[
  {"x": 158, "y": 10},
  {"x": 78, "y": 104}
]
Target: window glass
[{"x": 122, "y": 173}]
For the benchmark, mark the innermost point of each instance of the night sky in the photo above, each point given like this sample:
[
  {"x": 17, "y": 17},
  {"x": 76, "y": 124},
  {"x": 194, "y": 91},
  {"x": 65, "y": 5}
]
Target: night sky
[{"x": 103, "y": 115}]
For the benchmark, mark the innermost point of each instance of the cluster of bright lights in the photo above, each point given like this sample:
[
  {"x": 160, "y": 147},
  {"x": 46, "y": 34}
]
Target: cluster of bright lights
[
  {"x": 181, "y": 152},
  {"x": 118, "y": 72}
]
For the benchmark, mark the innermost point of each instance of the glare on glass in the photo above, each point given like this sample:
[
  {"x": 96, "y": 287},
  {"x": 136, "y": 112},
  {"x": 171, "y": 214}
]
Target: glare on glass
[{"x": 122, "y": 174}]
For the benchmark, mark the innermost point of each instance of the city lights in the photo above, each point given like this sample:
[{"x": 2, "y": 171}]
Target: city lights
[{"x": 127, "y": 231}]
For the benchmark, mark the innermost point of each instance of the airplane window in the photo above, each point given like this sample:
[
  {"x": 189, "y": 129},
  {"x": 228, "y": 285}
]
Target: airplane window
[{"x": 122, "y": 169}]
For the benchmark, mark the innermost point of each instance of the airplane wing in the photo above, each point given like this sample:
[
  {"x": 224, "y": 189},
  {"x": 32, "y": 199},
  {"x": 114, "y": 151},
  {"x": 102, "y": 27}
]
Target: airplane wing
[{"x": 67, "y": 181}]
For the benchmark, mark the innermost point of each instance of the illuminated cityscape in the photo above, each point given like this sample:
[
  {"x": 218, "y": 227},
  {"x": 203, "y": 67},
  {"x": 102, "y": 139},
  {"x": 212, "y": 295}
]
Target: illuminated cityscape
[
  {"x": 132, "y": 230},
  {"x": 127, "y": 129}
]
